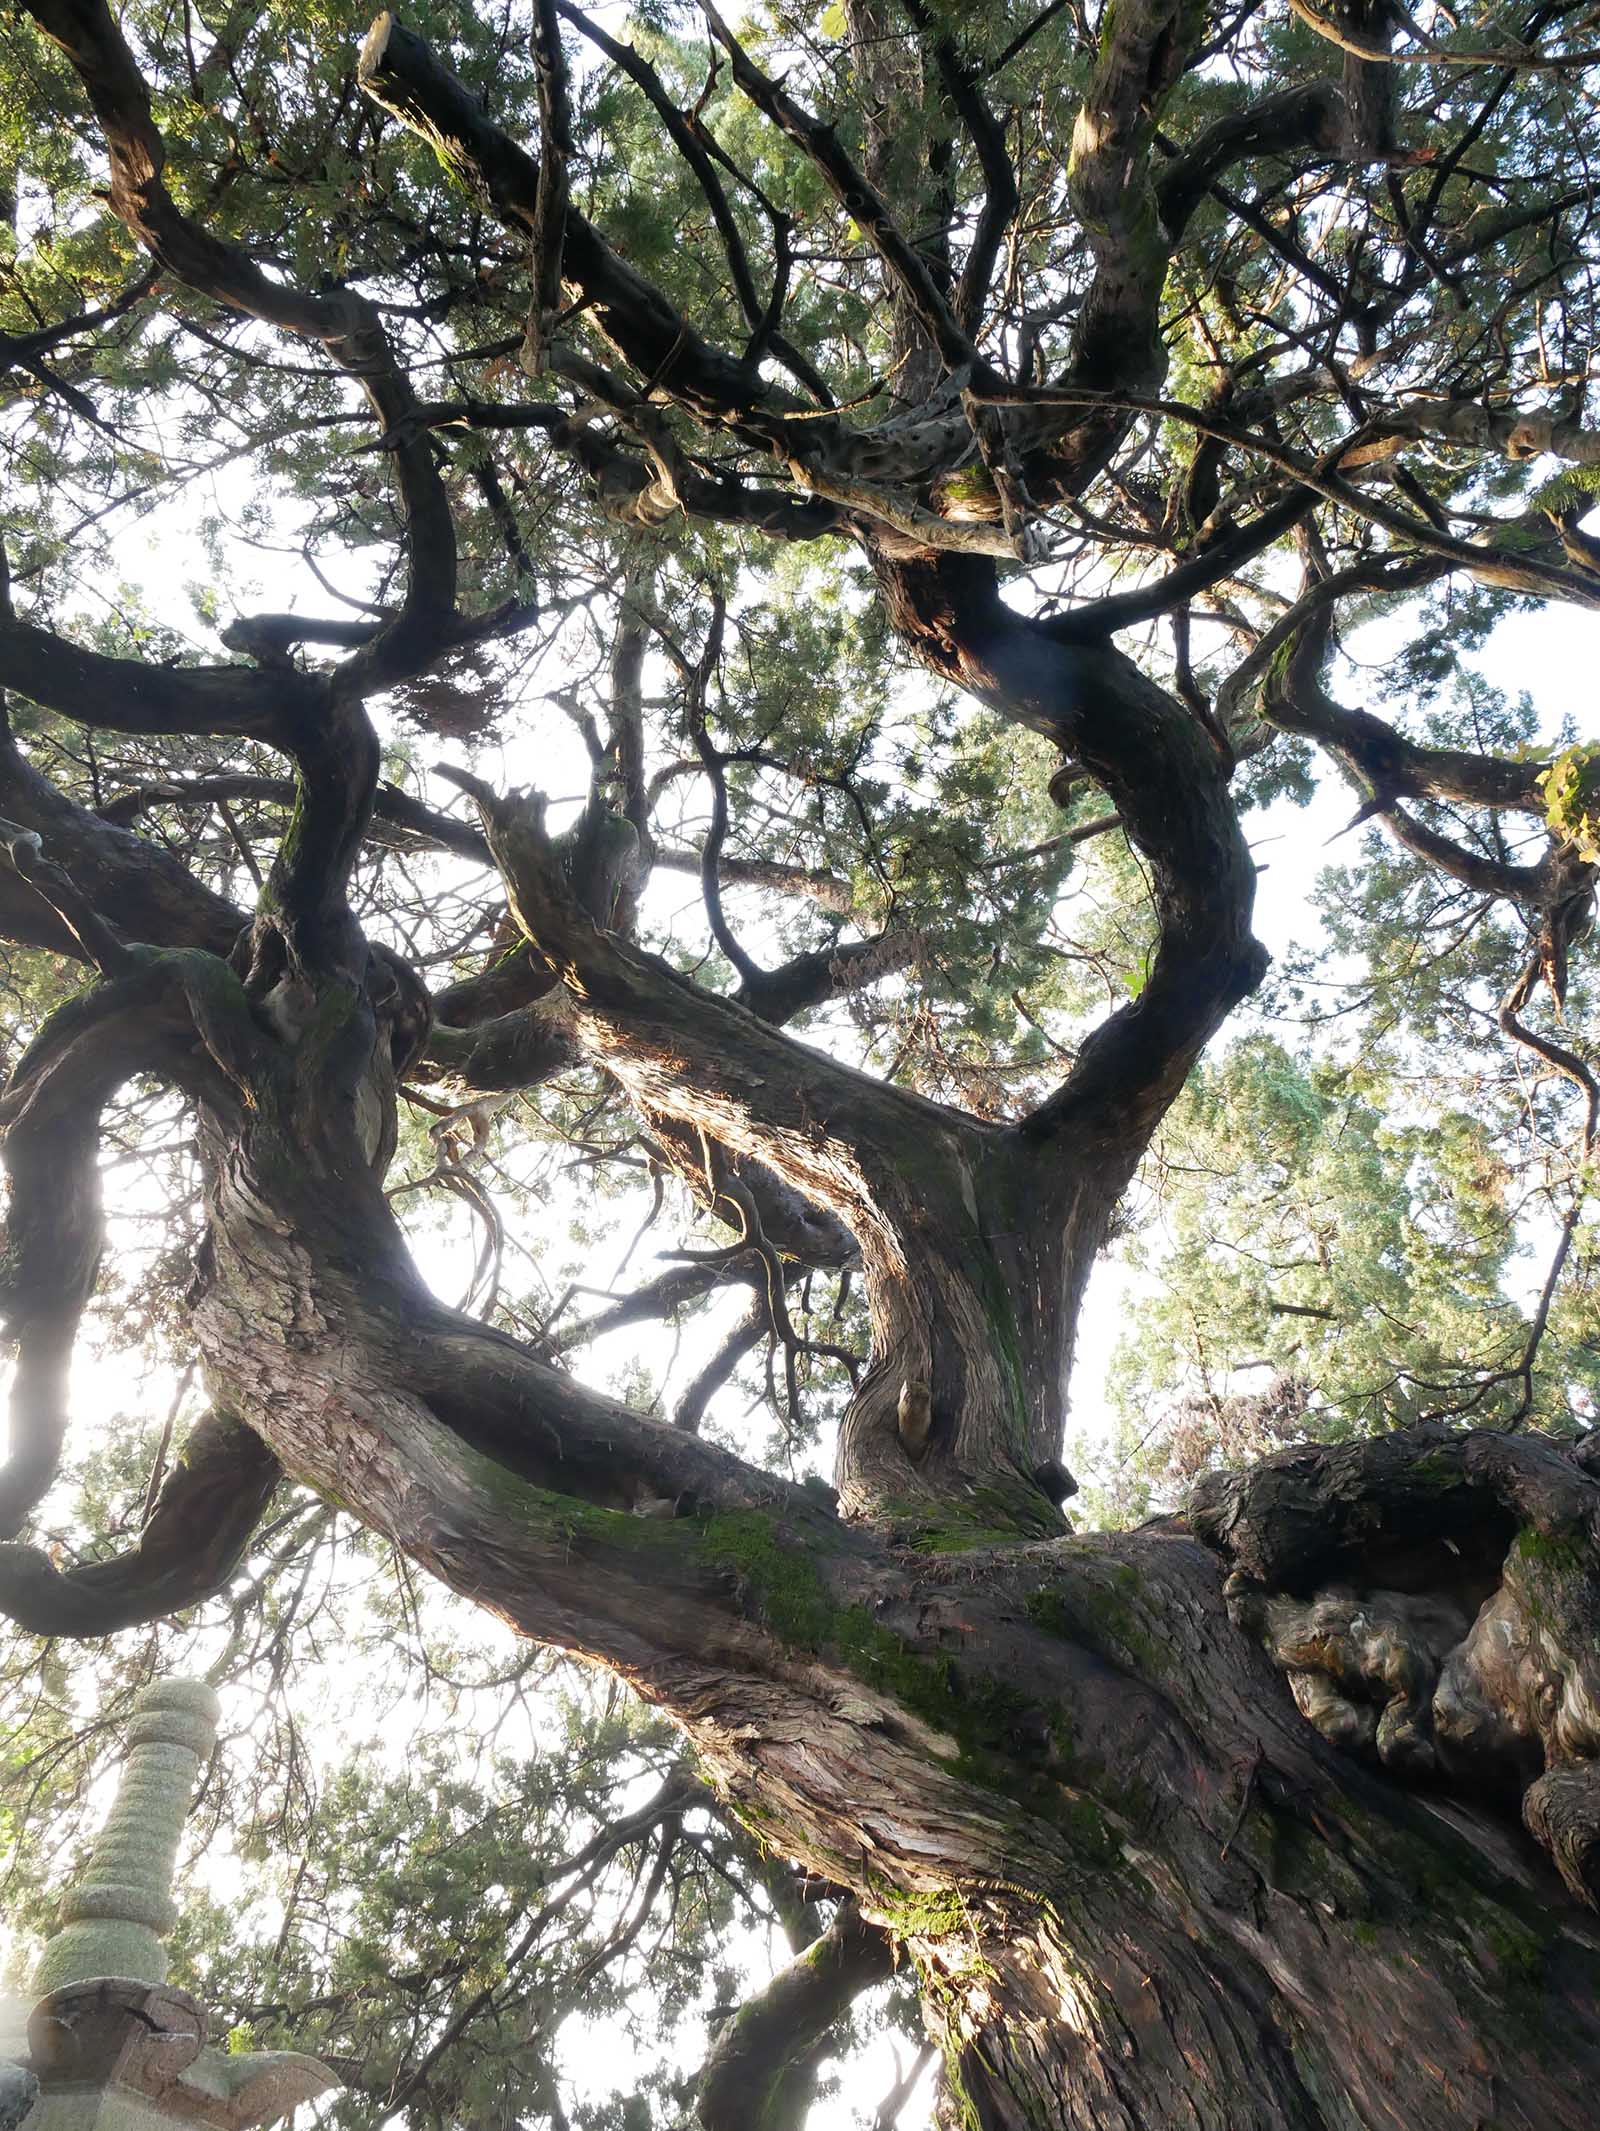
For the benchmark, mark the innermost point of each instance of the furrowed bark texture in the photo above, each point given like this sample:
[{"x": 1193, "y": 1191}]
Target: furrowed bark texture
[
  {"x": 1303, "y": 1838},
  {"x": 1139, "y": 1886}
]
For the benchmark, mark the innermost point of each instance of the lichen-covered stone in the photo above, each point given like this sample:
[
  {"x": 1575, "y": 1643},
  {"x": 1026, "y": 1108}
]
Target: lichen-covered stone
[{"x": 116, "y": 1917}]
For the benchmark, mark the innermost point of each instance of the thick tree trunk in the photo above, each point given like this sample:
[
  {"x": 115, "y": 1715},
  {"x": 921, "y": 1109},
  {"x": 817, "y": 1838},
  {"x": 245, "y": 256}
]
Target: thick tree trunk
[
  {"x": 1140, "y": 1888},
  {"x": 1146, "y": 1879},
  {"x": 1228, "y": 1928}
]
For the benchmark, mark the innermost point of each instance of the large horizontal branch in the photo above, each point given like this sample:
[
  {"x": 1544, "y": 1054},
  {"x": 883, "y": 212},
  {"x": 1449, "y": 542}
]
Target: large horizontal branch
[
  {"x": 1295, "y": 699},
  {"x": 1476, "y": 427},
  {"x": 677, "y": 1047},
  {"x": 633, "y": 489},
  {"x": 510, "y": 1462},
  {"x": 469, "y": 1412},
  {"x": 655, "y": 1299},
  {"x": 1219, "y": 558},
  {"x": 132, "y": 696},
  {"x": 1526, "y": 885},
  {"x": 194, "y": 1540},
  {"x": 504, "y": 1053},
  {"x": 274, "y": 636},
  {"x": 812, "y": 979}
]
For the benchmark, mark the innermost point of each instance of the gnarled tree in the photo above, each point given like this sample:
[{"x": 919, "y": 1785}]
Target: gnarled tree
[{"x": 1285, "y": 1815}]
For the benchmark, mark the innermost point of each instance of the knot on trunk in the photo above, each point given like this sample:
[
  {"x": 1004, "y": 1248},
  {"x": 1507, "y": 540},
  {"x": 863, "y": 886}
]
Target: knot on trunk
[
  {"x": 914, "y": 1417},
  {"x": 1434, "y": 1599}
]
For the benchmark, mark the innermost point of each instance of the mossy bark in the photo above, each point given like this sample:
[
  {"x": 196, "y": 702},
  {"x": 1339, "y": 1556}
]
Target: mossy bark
[
  {"x": 1139, "y": 1889},
  {"x": 1138, "y": 1886}
]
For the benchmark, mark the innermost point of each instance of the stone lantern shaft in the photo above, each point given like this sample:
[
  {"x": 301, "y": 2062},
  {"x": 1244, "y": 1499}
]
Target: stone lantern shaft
[
  {"x": 115, "y": 1921},
  {"x": 110, "y": 2045}
]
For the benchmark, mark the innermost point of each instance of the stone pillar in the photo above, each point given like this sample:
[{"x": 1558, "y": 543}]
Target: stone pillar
[
  {"x": 115, "y": 1920},
  {"x": 109, "y": 2046}
]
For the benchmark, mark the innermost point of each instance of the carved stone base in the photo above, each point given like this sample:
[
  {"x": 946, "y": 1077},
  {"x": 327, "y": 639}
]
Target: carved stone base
[{"x": 113, "y": 2054}]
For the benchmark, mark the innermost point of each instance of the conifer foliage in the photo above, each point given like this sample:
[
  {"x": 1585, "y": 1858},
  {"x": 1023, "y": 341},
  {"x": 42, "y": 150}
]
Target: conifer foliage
[{"x": 652, "y": 664}]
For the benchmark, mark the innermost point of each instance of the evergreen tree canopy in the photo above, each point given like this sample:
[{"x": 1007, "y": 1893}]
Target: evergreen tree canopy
[{"x": 650, "y": 661}]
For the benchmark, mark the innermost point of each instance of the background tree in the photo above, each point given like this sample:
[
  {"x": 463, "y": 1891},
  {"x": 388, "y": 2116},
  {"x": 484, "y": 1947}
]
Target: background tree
[{"x": 806, "y": 353}]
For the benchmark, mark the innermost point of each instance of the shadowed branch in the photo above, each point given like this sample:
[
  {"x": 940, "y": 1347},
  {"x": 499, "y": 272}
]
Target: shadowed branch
[{"x": 195, "y": 1538}]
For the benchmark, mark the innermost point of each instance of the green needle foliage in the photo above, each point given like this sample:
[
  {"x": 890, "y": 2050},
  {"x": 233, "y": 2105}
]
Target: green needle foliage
[{"x": 941, "y": 505}]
